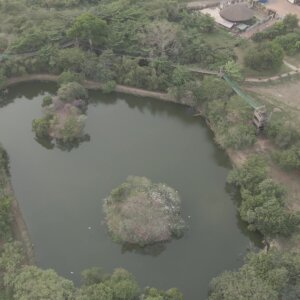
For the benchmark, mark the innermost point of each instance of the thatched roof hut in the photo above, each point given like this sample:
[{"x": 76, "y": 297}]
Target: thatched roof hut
[{"x": 239, "y": 12}]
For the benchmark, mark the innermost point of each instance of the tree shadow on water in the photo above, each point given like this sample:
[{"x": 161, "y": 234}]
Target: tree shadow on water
[
  {"x": 152, "y": 250},
  {"x": 49, "y": 144}
]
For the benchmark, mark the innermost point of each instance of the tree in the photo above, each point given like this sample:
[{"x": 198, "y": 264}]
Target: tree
[
  {"x": 252, "y": 172},
  {"x": 240, "y": 136},
  {"x": 47, "y": 100},
  {"x": 265, "y": 56},
  {"x": 68, "y": 76},
  {"x": 92, "y": 276},
  {"x": 5, "y": 214},
  {"x": 123, "y": 285},
  {"x": 100, "y": 291},
  {"x": 290, "y": 22},
  {"x": 34, "y": 283},
  {"x": 233, "y": 71},
  {"x": 155, "y": 294},
  {"x": 160, "y": 39},
  {"x": 88, "y": 27},
  {"x": 242, "y": 285},
  {"x": 11, "y": 260},
  {"x": 41, "y": 127},
  {"x": 213, "y": 88},
  {"x": 71, "y": 91},
  {"x": 289, "y": 158}
]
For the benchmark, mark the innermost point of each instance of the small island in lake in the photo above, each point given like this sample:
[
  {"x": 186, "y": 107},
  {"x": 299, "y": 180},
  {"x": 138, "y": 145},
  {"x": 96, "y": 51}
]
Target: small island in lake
[
  {"x": 141, "y": 213},
  {"x": 64, "y": 115}
]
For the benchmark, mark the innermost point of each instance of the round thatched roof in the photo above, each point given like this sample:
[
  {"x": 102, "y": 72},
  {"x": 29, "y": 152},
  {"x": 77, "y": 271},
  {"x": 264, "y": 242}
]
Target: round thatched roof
[{"x": 239, "y": 12}]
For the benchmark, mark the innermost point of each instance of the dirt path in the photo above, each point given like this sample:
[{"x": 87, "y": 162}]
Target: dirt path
[{"x": 92, "y": 85}]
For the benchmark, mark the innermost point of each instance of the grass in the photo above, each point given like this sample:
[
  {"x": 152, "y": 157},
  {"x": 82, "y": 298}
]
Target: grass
[{"x": 221, "y": 38}]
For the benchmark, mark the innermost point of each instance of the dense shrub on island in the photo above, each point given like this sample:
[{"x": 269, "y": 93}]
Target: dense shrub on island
[
  {"x": 141, "y": 213},
  {"x": 64, "y": 115}
]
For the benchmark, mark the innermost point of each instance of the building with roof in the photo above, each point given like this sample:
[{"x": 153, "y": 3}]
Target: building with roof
[{"x": 239, "y": 12}]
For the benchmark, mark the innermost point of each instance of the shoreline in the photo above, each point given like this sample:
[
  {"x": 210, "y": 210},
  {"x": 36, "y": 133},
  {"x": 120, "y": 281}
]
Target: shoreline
[
  {"x": 94, "y": 85},
  {"x": 19, "y": 226}
]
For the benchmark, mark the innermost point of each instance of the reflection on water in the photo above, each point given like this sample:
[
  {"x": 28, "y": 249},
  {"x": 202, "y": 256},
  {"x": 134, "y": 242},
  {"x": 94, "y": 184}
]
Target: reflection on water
[
  {"x": 49, "y": 143},
  {"x": 153, "y": 250}
]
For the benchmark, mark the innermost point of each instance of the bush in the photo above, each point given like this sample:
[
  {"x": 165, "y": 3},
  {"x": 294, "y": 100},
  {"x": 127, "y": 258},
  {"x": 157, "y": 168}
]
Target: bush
[
  {"x": 289, "y": 158},
  {"x": 71, "y": 91},
  {"x": 262, "y": 205},
  {"x": 240, "y": 136},
  {"x": 140, "y": 213},
  {"x": 265, "y": 275},
  {"x": 41, "y": 127},
  {"x": 281, "y": 133},
  {"x": 47, "y": 100},
  {"x": 68, "y": 76},
  {"x": 265, "y": 56},
  {"x": 109, "y": 87}
]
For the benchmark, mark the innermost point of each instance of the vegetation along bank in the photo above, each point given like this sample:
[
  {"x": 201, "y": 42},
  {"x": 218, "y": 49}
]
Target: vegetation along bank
[{"x": 148, "y": 48}]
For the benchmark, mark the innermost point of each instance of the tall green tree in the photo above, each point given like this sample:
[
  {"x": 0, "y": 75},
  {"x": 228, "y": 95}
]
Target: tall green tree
[
  {"x": 34, "y": 283},
  {"x": 88, "y": 27}
]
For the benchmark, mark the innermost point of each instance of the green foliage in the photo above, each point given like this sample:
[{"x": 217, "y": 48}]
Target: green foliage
[
  {"x": 213, "y": 88},
  {"x": 34, "y": 283},
  {"x": 109, "y": 87},
  {"x": 289, "y": 42},
  {"x": 92, "y": 276},
  {"x": 233, "y": 70},
  {"x": 11, "y": 260},
  {"x": 72, "y": 59},
  {"x": 72, "y": 128},
  {"x": 136, "y": 212},
  {"x": 280, "y": 28},
  {"x": 243, "y": 285},
  {"x": 230, "y": 120},
  {"x": 265, "y": 56},
  {"x": 68, "y": 76},
  {"x": 281, "y": 133},
  {"x": 262, "y": 205},
  {"x": 155, "y": 294},
  {"x": 200, "y": 22},
  {"x": 100, "y": 291},
  {"x": 47, "y": 100},
  {"x": 90, "y": 28},
  {"x": 32, "y": 41},
  {"x": 5, "y": 215},
  {"x": 289, "y": 158},
  {"x": 240, "y": 137},
  {"x": 41, "y": 127},
  {"x": 71, "y": 91},
  {"x": 265, "y": 275},
  {"x": 121, "y": 285},
  {"x": 250, "y": 175}
]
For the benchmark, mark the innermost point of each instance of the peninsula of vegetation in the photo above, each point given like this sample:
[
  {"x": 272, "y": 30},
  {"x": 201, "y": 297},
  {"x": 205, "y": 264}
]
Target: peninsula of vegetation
[
  {"x": 64, "y": 115},
  {"x": 139, "y": 212}
]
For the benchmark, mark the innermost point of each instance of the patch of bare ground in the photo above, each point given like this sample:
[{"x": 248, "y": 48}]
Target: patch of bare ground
[{"x": 285, "y": 94}]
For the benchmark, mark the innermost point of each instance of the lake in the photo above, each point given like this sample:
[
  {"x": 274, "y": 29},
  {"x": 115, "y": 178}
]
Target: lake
[{"x": 60, "y": 191}]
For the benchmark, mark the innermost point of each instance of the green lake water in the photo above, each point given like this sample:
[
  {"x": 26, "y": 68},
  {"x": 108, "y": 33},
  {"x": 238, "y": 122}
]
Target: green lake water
[{"x": 60, "y": 192}]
